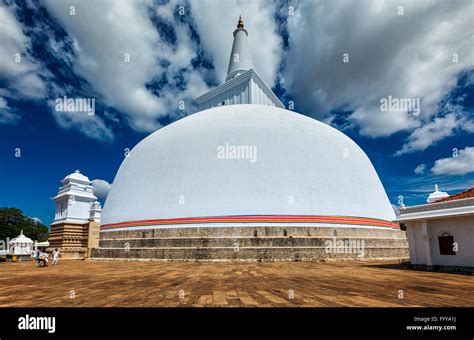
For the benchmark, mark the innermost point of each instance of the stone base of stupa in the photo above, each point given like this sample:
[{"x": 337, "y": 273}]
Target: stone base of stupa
[{"x": 253, "y": 244}]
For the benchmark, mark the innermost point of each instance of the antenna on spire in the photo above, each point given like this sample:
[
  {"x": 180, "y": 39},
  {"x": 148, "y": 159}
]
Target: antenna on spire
[{"x": 240, "y": 24}]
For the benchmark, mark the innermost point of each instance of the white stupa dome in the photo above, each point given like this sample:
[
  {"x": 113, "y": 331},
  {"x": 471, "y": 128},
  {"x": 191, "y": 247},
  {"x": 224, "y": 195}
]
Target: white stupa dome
[
  {"x": 436, "y": 195},
  {"x": 302, "y": 170}
]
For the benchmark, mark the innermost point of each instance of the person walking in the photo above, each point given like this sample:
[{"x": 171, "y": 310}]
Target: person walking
[
  {"x": 55, "y": 256},
  {"x": 42, "y": 259}
]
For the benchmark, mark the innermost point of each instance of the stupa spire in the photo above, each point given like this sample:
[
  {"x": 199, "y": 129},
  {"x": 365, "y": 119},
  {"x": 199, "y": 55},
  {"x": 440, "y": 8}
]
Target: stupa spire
[
  {"x": 242, "y": 85},
  {"x": 240, "y": 59}
]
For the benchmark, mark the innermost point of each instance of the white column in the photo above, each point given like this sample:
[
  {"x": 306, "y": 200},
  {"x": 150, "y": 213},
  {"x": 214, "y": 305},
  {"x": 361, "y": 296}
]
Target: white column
[
  {"x": 426, "y": 241},
  {"x": 412, "y": 241}
]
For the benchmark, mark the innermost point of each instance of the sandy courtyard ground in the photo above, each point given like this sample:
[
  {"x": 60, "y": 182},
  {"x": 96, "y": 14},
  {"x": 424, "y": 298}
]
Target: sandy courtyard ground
[{"x": 293, "y": 284}]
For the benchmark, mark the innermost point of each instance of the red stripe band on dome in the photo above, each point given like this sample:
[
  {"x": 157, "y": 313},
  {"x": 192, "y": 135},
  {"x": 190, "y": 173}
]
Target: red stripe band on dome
[{"x": 350, "y": 220}]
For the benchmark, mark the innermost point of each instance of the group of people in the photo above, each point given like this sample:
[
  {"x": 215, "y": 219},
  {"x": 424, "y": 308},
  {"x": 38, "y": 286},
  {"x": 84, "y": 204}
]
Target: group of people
[{"x": 42, "y": 257}]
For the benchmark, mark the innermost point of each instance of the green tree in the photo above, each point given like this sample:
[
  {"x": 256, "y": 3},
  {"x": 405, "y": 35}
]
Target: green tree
[{"x": 12, "y": 222}]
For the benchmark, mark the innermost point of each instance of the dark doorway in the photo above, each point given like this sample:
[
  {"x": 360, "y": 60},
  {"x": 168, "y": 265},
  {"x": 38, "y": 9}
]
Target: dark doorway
[{"x": 446, "y": 244}]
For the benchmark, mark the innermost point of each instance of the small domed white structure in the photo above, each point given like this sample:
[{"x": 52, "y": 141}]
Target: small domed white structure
[
  {"x": 20, "y": 245},
  {"x": 436, "y": 195}
]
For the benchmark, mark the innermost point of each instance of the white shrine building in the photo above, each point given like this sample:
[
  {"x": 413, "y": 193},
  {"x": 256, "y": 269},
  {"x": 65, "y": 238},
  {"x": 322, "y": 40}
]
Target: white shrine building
[
  {"x": 77, "y": 219},
  {"x": 441, "y": 233},
  {"x": 20, "y": 246}
]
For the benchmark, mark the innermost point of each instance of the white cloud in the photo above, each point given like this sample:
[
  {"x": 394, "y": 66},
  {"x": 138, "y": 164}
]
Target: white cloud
[
  {"x": 24, "y": 76},
  {"x": 429, "y": 134},
  {"x": 101, "y": 188},
  {"x": 420, "y": 169},
  {"x": 92, "y": 126},
  {"x": 17, "y": 69},
  {"x": 405, "y": 56},
  {"x": 104, "y": 33},
  {"x": 460, "y": 165},
  {"x": 7, "y": 114}
]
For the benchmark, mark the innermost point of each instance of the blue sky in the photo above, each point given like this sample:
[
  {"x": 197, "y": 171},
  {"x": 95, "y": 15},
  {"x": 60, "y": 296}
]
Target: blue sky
[{"x": 179, "y": 50}]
